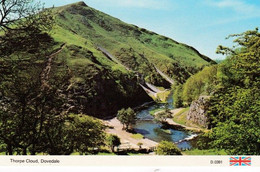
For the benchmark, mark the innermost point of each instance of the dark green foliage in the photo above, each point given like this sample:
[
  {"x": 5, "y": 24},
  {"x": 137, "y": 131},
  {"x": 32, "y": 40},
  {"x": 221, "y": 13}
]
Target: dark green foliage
[
  {"x": 204, "y": 142},
  {"x": 167, "y": 148},
  {"x": 113, "y": 141},
  {"x": 177, "y": 96},
  {"x": 235, "y": 110},
  {"x": 84, "y": 132},
  {"x": 73, "y": 133},
  {"x": 27, "y": 108},
  {"x": 24, "y": 41},
  {"x": 33, "y": 94},
  {"x": 24, "y": 24},
  {"x": 127, "y": 117}
]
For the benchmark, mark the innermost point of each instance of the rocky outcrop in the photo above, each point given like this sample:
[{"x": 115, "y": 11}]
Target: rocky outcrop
[{"x": 198, "y": 111}]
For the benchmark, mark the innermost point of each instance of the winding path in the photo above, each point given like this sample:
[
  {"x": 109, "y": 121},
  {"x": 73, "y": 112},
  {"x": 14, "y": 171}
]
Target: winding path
[
  {"x": 111, "y": 57},
  {"x": 153, "y": 88},
  {"x": 171, "y": 81},
  {"x": 46, "y": 71},
  {"x": 150, "y": 89},
  {"x": 127, "y": 141},
  {"x": 171, "y": 122}
]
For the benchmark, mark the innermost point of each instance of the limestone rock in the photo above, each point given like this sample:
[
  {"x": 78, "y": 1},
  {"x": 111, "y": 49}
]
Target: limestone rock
[{"x": 198, "y": 111}]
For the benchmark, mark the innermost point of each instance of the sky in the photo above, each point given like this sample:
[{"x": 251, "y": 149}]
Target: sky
[{"x": 203, "y": 24}]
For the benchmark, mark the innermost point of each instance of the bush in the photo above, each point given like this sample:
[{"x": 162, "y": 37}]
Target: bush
[
  {"x": 127, "y": 117},
  {"x": 112, "y": 141},
  {"x": 167, "y": 148}
]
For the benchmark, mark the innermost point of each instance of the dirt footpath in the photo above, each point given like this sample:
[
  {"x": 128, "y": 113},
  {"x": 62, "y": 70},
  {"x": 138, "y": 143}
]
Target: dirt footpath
[{"x": 127, "y": 142}]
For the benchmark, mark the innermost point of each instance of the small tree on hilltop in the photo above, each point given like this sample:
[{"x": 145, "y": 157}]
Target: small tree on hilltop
[
  {"x": 127, "y": 117},
  {"x": 167, "y": 148},
  {"x": 113, "y": 141}
]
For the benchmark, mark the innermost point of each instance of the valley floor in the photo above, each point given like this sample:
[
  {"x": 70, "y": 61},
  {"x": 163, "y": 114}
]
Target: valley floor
[
  {"x": 172, "y": 122},
  {"x": 127, "y": 139}
]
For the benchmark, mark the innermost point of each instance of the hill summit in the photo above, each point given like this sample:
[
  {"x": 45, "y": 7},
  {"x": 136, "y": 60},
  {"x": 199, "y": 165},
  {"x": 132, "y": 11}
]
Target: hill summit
[{"x": 111, "y": 61}]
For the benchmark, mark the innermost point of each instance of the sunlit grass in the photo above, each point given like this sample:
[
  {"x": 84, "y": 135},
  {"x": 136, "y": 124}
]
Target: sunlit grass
[
  {"x": 204, "y": 152},
  {"x": 137, "y": 136}
]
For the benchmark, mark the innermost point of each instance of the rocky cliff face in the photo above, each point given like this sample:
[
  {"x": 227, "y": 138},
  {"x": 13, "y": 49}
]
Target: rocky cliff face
[{"x": 198, "y": 111}]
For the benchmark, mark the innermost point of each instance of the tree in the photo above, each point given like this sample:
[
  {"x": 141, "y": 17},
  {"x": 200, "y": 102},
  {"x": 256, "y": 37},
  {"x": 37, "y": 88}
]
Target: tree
[
  {"x": 86, "y": 133},
  {"x": 26, "y": 107},
  {"x": 167, "y": 148},
  {"x": 236, "y": 121},
  {"x": 177, "y": 96},
  {"x": 127, "y": 117},
  {"x": 163, "y": 115},
  {"x": 235, "y": 112},
  {"x": 76, "y": 133},
  {"x": 113, "y": 141},
  {"x": 20, "y": 14},
  {"x": 25, "y": 25},
  {"x": 140, "y": 144}
]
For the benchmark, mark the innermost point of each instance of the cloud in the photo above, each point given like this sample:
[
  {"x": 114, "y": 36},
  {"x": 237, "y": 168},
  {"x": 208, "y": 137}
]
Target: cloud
[
  {"x": 238, "y": 10},
  {"x": 147, "y": 4},
  {"x": 238, "y": 6}
]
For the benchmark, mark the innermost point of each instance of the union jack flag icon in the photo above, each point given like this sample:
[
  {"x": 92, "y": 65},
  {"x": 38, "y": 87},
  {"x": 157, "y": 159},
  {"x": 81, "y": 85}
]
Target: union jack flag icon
[{"x": 240, "y": 161}]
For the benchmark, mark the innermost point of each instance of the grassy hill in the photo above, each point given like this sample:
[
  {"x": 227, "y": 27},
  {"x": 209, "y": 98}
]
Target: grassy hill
[
  {"x": 98, "y": 62},
  {"x": 109, "y": 58},
  {"x": 136, "y": 48}
]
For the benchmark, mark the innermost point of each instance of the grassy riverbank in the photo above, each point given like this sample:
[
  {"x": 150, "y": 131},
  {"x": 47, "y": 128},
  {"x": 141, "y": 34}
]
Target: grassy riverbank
[
  {"x": 204, "y": 152},
  {"x": 180, "y": 117}
]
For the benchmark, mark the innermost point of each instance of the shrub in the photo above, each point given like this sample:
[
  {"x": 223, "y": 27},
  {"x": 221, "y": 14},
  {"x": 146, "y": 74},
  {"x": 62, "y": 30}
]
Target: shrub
[{"x": 167, "y": 148}]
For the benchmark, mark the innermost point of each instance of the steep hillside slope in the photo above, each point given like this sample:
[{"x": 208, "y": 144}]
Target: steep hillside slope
[
  {"x": 136, "y": 48},
  {"x": 108, "y": 60}
]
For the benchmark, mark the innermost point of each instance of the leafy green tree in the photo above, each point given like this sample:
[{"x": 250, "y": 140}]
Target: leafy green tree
[
  {"x": 237, "y": 121},
  {"x": 167, "y": 148},
  {"x": 113, "y": 141},
  {"x": 162, "y": 116},
  {"x": 234, "y": 112},
  {"x": 76, "y": 133},
  {"x": 21, "y": 14},
  {"x": 177, "y": 96},
  {"x": 25, "y": 107},
  {"x": 85, "y": 132},
  {"x": 127, "y": 117}
]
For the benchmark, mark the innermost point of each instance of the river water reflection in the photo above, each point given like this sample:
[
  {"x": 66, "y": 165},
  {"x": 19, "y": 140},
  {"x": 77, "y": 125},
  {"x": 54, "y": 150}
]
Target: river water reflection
[{"x": 152, "y": 130}]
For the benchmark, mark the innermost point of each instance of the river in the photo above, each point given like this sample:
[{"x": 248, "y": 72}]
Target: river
[{"x": 149, "y": 128}]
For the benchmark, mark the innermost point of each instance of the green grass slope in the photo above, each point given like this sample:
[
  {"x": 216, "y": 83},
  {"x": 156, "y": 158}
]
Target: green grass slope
[
  {"x": 99, "y": 84},
  {"x": 136, "y": 48}
]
